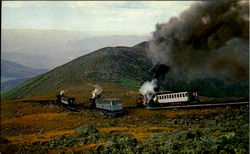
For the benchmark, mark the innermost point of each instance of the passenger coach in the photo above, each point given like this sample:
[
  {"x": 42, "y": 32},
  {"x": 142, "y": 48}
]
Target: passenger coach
[
  {"x": 161, "y": 98},
  {"x": 176, "y": 97}
]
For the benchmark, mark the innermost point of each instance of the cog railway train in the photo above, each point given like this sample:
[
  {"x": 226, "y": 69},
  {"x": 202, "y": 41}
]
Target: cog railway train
[{"x": 115, "y": 104}]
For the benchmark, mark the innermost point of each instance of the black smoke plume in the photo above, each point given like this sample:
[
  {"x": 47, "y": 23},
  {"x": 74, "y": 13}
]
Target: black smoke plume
[
  {"x": 159, "y": 71},
  {"x": 211, "y": 38}
]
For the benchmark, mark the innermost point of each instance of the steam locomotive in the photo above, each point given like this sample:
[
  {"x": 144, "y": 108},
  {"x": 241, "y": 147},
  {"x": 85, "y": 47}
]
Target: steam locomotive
[
  {"x": 167, "y": 98},
  {"x": 61, "y": 98}
]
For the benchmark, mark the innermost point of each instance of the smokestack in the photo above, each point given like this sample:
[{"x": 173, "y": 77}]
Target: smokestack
[
  {"x": 211, "y": 38},
  {"x": 97, "y": 91}
]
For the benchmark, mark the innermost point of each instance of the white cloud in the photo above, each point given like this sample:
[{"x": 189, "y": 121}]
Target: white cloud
[
  {"x": 90, "y": 15},
  {"x": 100, "y": 4},
  {"x": 173, "y": 4},
  {"x": 20, "y": 4}
]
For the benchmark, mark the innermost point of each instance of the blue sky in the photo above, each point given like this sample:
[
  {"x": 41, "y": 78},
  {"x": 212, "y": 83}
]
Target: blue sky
[{"x": 128, "y": 17}]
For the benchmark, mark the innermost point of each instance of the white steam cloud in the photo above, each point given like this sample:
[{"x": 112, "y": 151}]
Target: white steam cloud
[
  {"x": 61, "y": 92},
  {"x": 97, "y": 91},
  {"x": 148, "y": 87}
]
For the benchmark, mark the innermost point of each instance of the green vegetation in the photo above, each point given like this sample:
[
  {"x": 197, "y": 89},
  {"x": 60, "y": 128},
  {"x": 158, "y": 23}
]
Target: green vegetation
[
  {"x": 85, "y": 134},
  {"x": 127, "y": 82},
  {"x": 226, "y": 132}
]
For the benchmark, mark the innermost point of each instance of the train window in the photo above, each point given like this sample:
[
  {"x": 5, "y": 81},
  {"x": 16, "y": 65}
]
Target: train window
[
  {"x": 165, "y": 97},
  {"x": 186, "y": 94},
  {"x": 174, "y": 95},
  {"x": 178, "y": 95}
]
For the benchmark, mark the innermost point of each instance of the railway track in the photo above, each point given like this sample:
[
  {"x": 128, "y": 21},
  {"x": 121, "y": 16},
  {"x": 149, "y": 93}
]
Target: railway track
[
  {"x": 211, "y": 105},
  {"x": 78, "y": 107},
  {"x": 81, "y": 108}
]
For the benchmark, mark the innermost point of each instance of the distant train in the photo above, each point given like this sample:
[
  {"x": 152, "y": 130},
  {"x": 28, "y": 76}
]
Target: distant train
[
  {"x": 165, "y": 98},
  {"x": 61, "y": 98},
  {"x": 108, "y": 104}
]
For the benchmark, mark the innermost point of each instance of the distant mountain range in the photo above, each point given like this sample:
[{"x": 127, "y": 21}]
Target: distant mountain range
[
  {"x": 12, "y": 74},
  {"x": 125, "y": 66}
]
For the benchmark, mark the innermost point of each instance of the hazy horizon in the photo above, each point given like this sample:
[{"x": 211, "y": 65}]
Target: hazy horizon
[
  {"x": 49, "y": 49},
  {"x": 59, "y": 31}
]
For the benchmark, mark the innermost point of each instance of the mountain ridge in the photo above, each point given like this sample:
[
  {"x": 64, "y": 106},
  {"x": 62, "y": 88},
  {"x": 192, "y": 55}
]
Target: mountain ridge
[{"x": 123, "y": 66}]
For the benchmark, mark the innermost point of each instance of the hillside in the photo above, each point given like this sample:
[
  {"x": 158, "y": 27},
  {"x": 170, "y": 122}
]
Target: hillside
[{"x": 120, "y": 65}]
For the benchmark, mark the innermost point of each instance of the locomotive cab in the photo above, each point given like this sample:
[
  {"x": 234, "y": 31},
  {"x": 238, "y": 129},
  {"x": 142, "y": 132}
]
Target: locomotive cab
[
  {"x": 92, "y": 102},
  {"x": 194, "y": 96}
]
